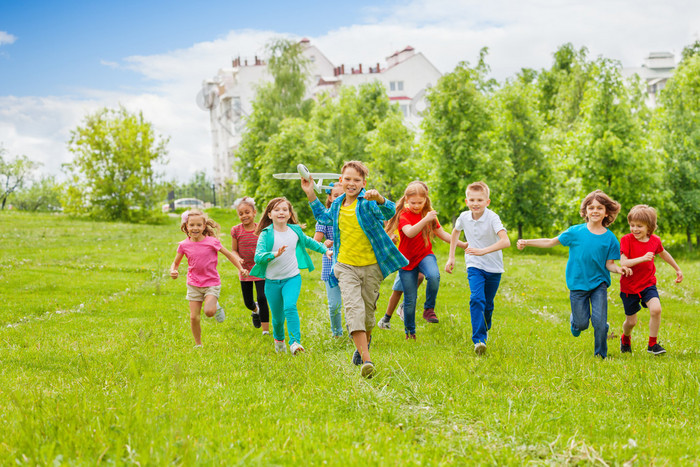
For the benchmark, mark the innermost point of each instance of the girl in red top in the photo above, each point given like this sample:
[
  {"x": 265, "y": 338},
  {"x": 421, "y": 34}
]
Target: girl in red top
[
  {"x": 637, "y": 251},
  {"x": 417, "y": 224},
  {"x": 243, "y": 245}
]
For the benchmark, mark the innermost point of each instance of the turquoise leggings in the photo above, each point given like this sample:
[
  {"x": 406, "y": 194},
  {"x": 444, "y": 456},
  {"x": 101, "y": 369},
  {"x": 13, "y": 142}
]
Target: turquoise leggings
[{"x": 282, "y": 296}]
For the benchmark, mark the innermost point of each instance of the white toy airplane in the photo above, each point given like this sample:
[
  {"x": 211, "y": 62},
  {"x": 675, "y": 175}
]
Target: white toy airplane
[{"x": 304, "y": 173}]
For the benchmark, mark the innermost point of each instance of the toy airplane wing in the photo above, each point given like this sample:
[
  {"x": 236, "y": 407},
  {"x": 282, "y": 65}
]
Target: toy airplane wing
[{"x": 303, "y": 172}]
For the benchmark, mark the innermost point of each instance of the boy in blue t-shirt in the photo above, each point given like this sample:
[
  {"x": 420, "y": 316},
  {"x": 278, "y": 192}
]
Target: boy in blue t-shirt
[{"x": 593, "y": 249}]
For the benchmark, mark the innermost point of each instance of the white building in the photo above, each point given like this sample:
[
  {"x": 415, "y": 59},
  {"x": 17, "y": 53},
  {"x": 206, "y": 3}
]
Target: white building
[
  {"x": 229, "y": 95},
  {"x": 656, "y": 70}
]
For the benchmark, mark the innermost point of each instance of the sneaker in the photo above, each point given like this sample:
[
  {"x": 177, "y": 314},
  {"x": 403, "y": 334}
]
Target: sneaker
[
  {"x": 266, "y": 333},
  {"x": 280, "y": 347},
  {"x": 256, "y": 319},
  {"x": 430, "y": 316},
  {"x": 411, "y": 336},
  {"x": 625, "y": 348},
  {"x": 367, "y": 369},
  {"x": 656, "y": 349},
  {"x": 384, "y": 323},
  {"x": 296, "y": 348},
  {"x": 399, "y": 310},
  {"x": 198, "y": 346},
  {"x": 356, "y": 357},
  {"x": 575, "y": 332},
  {"x": 480, "y": 348},
  {"x": 220, "y": 315}
]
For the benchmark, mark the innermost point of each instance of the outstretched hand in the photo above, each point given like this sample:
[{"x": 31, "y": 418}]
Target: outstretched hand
[
  {"x": 280, "y": 251},
  {"x": 373, "y": 195},
  {"x": 308, "y": 186}
]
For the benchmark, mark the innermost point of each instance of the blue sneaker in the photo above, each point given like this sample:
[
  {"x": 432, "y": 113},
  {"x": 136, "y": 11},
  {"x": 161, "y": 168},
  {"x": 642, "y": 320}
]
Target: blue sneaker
[
  {"x": 357, "y": 358},
  {"x": 575, "y": 332}
]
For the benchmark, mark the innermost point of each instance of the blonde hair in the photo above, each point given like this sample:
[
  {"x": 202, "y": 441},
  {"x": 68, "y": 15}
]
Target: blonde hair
[
  {"x": 612, "y": 207},
  {"x": 357, "y": 165},
  {"x": 265, "y": 219},
  {"x": 478, "y": 186},
  {"x": 644, "y": 214},
  {"x": 415, "y": 188},
  {"x": 211, "y": 227}
]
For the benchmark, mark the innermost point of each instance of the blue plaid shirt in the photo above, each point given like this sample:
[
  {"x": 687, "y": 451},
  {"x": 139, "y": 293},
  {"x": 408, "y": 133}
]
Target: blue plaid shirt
[
  {"x": 371, "y": 217},
  {"x": 327, "y": 231}
]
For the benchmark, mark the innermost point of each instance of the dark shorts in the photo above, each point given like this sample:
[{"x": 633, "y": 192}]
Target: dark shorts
[{"x": 631, "y": 301}]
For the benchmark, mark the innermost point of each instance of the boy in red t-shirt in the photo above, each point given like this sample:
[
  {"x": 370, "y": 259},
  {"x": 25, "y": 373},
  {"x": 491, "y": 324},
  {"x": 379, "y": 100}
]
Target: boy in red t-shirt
[{"x": 637, "y": 251}]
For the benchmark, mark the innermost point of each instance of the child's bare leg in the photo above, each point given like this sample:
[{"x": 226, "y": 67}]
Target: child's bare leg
[
  {"x": 393, "y": 302},
  {"x": 210, "y": 302},
  {"x": 629, "y": 324},
  {"x": 420, "y": 279},
  {"x": 195, "y": 309},
  {"x": 361, "y": 338},
  {"x": 265, "y": 326},
  {"x": 654, "y": 306}
]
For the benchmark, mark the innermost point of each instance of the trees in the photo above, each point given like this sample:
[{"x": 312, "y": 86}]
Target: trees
[
  {"x": 43, "y": 195},
  {"x": 13, "y": 174},
  {"x": 112, "y": 175}
]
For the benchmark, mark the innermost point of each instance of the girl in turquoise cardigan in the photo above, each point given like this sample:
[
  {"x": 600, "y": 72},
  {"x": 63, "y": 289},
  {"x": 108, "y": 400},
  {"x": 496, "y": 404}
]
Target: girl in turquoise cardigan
[{"x": 279, "y": 255}]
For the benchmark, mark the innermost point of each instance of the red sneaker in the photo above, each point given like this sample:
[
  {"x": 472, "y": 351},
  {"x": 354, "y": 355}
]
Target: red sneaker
[{"x": 430, "y": 316}]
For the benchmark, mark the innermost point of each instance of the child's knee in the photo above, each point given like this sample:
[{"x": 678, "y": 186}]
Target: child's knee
[{"x": 631, "y": 320}]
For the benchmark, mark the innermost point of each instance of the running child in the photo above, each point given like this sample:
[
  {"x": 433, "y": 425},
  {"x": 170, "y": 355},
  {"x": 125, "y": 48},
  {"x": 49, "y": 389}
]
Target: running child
[
  {"x": 637, "y": 251},
  {"x": 417, "y": 223},
  {"x": 593, "y": 249},
  {"x": 243, "y": 245},
  {"x": 203, "y": 282},
  {"x": 363, "y": 253},
  {"x": 335, "y": 302},
  {"x": 279, "y": 255},
  {"x": 486, "y": 237}
]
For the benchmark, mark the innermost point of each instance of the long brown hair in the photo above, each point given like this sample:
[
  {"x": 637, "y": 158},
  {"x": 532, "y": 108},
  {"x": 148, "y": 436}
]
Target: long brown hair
[
  {"x": 612, "y": 207},
  {"x": 420, "y": 189},
  {"x": 211, "y": 227},
  {"x": 265, "y": 219}
]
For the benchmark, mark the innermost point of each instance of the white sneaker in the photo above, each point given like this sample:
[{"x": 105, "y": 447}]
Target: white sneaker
[
  {"x": 266, "y": 333},
  {"x": 480, "y": 348},
  {"x": 384, "y": 323},
  {"x": 280, "y": 347},
  {"x": 400, "y": 310},
  {"x": 295, "y": 348},
  {"x": 220, "y": 316}
]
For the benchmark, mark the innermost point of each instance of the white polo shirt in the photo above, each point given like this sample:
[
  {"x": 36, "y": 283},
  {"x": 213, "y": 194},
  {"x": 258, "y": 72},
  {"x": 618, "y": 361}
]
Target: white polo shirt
[{"x": 482, "y": 233}]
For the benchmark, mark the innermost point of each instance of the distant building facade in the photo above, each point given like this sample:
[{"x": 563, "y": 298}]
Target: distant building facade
[
  {"x": 228, "y": 97},
  {"x": 655, "y": 71}
]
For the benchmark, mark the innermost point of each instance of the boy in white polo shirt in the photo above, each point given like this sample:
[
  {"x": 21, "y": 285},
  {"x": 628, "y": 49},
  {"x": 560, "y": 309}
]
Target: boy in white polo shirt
[{"x": 486, "y": 237}]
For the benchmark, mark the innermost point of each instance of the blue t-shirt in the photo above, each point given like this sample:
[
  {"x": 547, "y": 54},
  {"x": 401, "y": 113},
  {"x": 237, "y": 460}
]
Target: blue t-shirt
[{"x": 588, "y": 253}]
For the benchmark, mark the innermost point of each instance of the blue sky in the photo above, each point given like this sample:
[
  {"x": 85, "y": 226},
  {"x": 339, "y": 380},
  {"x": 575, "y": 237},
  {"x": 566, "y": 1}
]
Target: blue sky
[{"x": 60, "y": 60}]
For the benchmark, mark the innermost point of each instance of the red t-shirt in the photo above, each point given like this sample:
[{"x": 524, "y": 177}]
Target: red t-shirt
[
  {"x": 247, "y": 241},
  {"x": 643, "y": 274},
  {"x": 414, "y": 249}
]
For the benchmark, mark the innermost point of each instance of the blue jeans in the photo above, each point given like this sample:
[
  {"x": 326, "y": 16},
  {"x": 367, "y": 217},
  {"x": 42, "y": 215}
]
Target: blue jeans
[
  {"x": 335, "y": 304},
  {"x": 409, "y": 281},
  {"x": 282, "y": 296},
  {"x": 483, "y": 286},
  {"x": 593, "y": 305}
]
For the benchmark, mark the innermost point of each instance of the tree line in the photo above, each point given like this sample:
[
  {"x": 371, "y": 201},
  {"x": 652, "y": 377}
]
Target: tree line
[{"x": 541, "y": 139}]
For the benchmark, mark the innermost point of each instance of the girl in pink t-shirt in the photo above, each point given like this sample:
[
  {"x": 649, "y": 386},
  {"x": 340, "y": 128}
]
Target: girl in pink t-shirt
[
  {"x": 243, "y": 246},
  {"x": 203, "y": 283},
  {"x": 417, "y": 224}
]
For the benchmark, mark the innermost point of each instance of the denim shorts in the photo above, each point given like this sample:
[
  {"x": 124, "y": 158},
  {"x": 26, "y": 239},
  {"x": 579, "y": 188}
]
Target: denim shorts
[
  {"x": 631, "y": 301},
  {"x": 398, "y": 286}
]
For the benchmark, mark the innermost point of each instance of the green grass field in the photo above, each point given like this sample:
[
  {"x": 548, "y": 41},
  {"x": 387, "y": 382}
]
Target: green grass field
[{"x": 97, "y": 366}]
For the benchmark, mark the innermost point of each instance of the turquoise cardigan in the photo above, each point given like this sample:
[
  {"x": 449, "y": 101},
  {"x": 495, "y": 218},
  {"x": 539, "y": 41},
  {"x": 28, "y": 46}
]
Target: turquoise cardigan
[{"x": 266, "y": 241}]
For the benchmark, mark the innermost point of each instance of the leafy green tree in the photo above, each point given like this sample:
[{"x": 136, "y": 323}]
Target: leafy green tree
[
  {"x": 113, "y": 173},
  {"x": 274, "y": 101},
  {"x": 455, "y": 141},
  {"x": 677, "y": 127},
  {"x": 199, "y": 186},
  {"x": 14, "y": 174},
  {"x": 43, "y": 195},
  {"x": 518, "y": 129}
]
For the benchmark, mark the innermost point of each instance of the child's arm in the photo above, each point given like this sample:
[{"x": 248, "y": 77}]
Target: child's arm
[
  {"x": 234, "y": 249},
  {"x": 627, "y": 262},
  {"x": 538, "y": 243},
  {"x": 176, "y": 264},
  {"x": 235, "y": 260},
  {"x": 503, "y": 242},
  {"x": 666, "y": 256},
  {"x": 386, "y": 206},
  {"x": 612, "y": 267},
  {"x": 318, "y": 236},
  {"x": 412, "y": 230},
  {"x": 454, "y": 238},
  {"x": 447, "y": 238},
  {"x": 315, "y": 245},
  {"x": 308, "y": 187}
]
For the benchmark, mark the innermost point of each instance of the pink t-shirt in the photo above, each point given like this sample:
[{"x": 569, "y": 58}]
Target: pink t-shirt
[
  {"x": 247, "y": 241},
  {"x": 202, "y": 258}
]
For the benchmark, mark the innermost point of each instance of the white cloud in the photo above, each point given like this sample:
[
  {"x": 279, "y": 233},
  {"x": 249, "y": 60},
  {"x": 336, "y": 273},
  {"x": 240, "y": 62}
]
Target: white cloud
[
  {"x": 518, "y": 34},
  {"x": 6, "y": 38}
]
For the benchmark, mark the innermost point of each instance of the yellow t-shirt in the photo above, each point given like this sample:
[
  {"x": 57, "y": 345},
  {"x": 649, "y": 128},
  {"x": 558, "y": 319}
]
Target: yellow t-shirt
[{"x": 355, "y": 248}]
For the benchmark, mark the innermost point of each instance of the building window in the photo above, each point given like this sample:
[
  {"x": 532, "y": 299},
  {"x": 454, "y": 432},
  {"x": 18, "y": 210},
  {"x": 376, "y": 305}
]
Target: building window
[
  {"x": 400, "y": 85},
  {"x": 392, "y": 86},
  {"x": 404, "y": 109}
]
